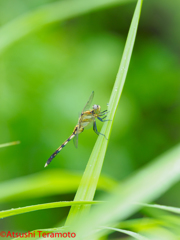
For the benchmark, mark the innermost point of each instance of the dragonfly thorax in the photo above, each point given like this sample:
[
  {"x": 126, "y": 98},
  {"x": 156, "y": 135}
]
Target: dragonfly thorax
[{"x": 97, "y": 109}]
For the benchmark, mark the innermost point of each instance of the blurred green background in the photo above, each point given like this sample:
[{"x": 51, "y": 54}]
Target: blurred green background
[{"x": 47, "y": 77}]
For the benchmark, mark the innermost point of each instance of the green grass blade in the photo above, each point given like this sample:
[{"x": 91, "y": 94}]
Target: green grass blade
[
  {"x": 130, "y": 233},
  {"x": 9, "y": 144},
  {"x": 92, "y": 172},
  {"x": 166, "y": 208},
  {"x": 48, "y": 14},
  {"x": 12, "y": 212},
  {"x": 138, "y": 224},
  {"x": 145, "y": 186},
  {"x": 46, "y": 183}
]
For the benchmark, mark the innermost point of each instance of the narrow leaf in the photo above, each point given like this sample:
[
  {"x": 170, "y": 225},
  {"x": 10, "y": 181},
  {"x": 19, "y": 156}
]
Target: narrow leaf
[
  {"x": 12, "y": 212},
  {"x": 92, "y": 172},
  {"x": 130, "y": 233},
  {"x": 167, "y": 208},
  {"x": 145, "y": 186},
  {"x": 9, "y": 144},
  {"x": 48, "y": 14},
  {"x": 46, "y": 183}
]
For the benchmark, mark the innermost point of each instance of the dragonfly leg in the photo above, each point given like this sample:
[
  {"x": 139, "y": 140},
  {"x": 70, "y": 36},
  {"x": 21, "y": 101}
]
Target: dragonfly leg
[
  {"x": 103, "y": 116},
  {"x": 102, "y": 119},
  {"x": 96, "y": 131},
  {"x": 104, "y": 113}
]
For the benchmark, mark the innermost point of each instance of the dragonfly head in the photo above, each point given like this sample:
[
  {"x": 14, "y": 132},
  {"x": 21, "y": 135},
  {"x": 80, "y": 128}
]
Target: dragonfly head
[{"x": 97, "y": 109}]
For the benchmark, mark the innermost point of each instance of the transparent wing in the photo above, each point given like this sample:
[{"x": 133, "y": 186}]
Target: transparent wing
[
  {"x": 88, "y": 104},
  {"x": 86, "y": 107},
  {"x": 90, "y": 125}
]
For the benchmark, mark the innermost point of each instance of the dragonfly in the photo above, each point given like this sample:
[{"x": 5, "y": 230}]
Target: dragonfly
[{"x": 86, "y": 120}]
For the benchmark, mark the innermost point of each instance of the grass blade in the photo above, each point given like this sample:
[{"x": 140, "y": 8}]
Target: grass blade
[
  {"x": 92, "y": 172},
  {"x": 145, "y": 186},
  {"x": 130, "y": 233},
  {"x": 9, "y": 144},
  {"x": 166, "y": 208},
  {"x": 48, "y": 14},
  {"x": 46, "y": 183},
  {"x": 12, "y": 212}
]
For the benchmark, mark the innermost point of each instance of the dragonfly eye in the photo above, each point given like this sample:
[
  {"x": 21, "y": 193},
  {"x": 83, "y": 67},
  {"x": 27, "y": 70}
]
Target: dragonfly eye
[{"x": 97, "y": 108}]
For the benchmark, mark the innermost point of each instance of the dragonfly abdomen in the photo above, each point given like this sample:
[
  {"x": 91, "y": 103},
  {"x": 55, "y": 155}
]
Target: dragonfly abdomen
[{"x": 59, "y": 149}]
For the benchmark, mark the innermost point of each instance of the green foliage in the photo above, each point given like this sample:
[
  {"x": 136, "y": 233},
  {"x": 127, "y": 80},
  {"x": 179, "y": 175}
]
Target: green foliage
[
  {"x": 13, "y": 212},
  {"x": 90, "y": 178},
  {"x": 53, "y": 54},
  {"x": 47, "y": 183},
  {"x": 9, "y": 144}
]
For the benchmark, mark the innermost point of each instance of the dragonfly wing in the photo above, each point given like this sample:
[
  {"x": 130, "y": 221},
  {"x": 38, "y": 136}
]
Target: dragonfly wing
[
  {"x": 88, "y": 104},
  {"x": 90, "y": 124}
]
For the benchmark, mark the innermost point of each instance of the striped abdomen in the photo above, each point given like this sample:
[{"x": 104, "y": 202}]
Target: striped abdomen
[{"x": 60, "y": 148}]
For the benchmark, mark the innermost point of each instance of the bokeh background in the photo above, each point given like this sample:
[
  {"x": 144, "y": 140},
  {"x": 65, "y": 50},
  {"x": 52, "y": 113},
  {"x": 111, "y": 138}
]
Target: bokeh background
[{"x": 47, "y": 77}]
